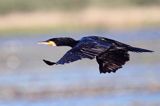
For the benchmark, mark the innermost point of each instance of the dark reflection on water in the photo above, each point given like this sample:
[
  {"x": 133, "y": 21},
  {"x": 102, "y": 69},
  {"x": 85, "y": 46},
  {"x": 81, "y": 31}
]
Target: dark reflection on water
[{"x": 26, "y": 80}]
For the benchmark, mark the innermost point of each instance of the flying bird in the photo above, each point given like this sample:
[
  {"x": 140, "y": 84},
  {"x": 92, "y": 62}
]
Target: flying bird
[{"x": 110, "y": 54}]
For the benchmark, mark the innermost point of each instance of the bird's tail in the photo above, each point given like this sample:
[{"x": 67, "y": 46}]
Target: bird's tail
[{"x": 138, "y": 50}]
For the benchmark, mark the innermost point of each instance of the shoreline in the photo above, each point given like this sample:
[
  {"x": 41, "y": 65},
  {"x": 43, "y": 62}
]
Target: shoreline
[{"x": 117, "y": 18}]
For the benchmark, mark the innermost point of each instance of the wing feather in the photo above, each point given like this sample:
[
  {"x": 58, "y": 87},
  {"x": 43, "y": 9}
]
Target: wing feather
[
  {"x": 84, "y": 49},
  {"x": 112, "y": 59}
]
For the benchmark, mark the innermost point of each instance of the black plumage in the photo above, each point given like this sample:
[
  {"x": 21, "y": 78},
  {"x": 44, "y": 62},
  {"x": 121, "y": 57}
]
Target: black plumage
[{"x": 110, "y": 54}]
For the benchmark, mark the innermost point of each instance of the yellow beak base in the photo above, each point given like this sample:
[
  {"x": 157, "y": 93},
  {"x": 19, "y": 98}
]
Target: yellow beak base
[{"x": 49, "y": 43}]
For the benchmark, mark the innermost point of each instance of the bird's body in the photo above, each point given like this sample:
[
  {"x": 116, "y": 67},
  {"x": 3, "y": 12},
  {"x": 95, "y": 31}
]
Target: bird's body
[{"x": 110, "y": 54}]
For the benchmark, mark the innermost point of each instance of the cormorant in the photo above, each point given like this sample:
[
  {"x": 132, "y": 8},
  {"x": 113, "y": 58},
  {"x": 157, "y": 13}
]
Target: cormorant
[{"x": 110, "y": 54}]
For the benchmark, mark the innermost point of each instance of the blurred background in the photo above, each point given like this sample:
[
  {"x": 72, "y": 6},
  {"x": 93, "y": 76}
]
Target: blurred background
[{"x": 26, "y": 81}]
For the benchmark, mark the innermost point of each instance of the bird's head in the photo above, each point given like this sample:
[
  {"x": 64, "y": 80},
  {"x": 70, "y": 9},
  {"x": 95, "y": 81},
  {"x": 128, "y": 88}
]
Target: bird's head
[{"x": 62, "y": 41}]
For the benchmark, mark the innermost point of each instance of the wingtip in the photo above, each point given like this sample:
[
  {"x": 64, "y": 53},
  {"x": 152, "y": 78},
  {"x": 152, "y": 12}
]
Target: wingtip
[
  {"x": 152, "y": 51},
  {"x": 49, "y": 62}
]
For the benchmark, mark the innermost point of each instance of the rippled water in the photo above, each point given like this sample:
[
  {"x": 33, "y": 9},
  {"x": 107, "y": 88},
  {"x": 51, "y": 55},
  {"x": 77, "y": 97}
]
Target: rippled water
[{"x": 26, "y": 80}]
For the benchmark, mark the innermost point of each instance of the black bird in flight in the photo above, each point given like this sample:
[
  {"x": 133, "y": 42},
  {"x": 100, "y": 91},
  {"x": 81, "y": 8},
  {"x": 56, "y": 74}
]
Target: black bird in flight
[{"x": 110, "y": 54}]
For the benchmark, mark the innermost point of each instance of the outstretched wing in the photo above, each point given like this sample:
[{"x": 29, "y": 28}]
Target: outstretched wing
[
  {"x": 84, "y": 49},
  {"x": 112, "y": 59}
]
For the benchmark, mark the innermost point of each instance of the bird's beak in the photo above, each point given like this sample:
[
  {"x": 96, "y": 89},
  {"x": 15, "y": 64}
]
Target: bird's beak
[{"x": 49, "y": 43}]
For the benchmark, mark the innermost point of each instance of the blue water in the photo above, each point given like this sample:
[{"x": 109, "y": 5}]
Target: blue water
[{"x": 112, "y": 100}]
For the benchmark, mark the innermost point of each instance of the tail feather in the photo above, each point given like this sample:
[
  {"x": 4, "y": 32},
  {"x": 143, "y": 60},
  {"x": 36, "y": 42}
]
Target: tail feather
[{"x": 138, "y": 50}]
